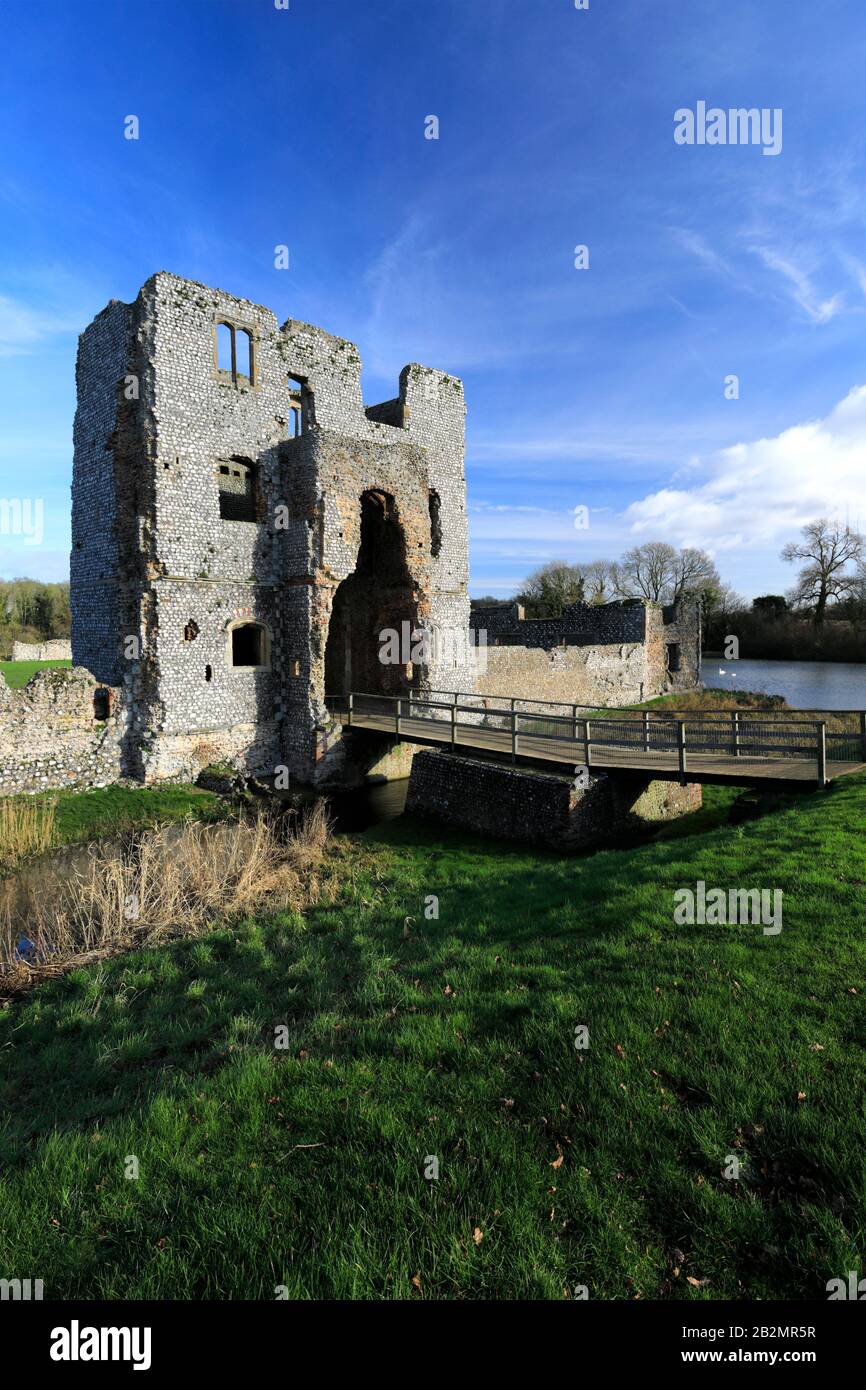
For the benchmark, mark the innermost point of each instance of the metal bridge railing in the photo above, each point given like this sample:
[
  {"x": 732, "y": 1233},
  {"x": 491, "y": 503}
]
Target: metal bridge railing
[{"x": 665, "y": 739}]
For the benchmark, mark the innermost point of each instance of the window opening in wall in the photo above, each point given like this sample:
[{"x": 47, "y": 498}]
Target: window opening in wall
[
  {"x": 191, "y": 631},
  {"x": 234, "y": 352},
  {"x": 101, "y": 703},
  {"x": 673, "y": 656},
  {"x": 249, "y": 645},
  {"x": 435, "y": 524},
  {"x": 208, "y": 673},
  {"x": 295, "y": 666},
  {"x": 225, "y": 354},
  {"x": 238, "y": 490},
  {"x": 300, "y": 406},
  {"x": 243, "y": 354}
]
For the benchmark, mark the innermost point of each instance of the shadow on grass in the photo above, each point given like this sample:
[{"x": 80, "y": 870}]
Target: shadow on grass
[{"x": 702, "y": 1041}]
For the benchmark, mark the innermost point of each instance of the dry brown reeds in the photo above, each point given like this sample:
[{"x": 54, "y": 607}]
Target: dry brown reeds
[
  {"x": 26, "y": 827},
  {"x": 169, "y": 881}
]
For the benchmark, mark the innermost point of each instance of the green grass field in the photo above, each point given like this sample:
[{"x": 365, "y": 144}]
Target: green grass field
[
  {"x": 410, "y": 1038},
  {"x": 18, "y": 673}
]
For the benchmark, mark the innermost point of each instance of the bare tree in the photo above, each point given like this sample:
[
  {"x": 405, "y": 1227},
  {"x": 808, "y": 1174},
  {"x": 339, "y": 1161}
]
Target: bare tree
[
  {"x": 598, "y": 580},
  {"x": 647, "y": 571},
  {"x": 692, "y": 572},
  {"x": 828, "y": 548}
]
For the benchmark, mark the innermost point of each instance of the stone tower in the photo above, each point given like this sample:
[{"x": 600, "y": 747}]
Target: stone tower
[{"x": 244, "y": 529}]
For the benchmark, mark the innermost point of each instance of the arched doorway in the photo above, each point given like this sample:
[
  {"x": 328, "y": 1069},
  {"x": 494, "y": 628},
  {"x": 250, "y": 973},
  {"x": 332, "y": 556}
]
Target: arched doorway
[{"x": 379, "y": 595}]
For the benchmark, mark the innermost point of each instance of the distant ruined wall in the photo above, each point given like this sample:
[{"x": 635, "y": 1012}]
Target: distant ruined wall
[
  {"x": 57, "y": 650},
  {"x": 605, "y": 676},
  {"x": 607, "y": 654},
  {"x": 51, "y": 737}
]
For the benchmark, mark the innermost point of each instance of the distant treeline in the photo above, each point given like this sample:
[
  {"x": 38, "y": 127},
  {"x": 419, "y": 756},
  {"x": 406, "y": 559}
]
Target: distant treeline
[
  {"x": 31, "y": 611},
  {"x": 770, "y": 631}
]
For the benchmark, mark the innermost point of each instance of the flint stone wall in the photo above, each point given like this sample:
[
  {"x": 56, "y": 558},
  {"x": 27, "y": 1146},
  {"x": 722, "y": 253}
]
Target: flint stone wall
[
  {"x": 608, "y": 654},
  {"x": 50, "y": 737},
  {"x": 153, "y": 558},
  {"x": 541, "y": 808}
]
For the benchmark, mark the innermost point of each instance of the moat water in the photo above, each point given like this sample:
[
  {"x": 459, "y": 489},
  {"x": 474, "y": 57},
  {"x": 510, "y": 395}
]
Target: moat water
[
  {"x": 804, "y": 684},
  {"x": 368, "y": 805}
]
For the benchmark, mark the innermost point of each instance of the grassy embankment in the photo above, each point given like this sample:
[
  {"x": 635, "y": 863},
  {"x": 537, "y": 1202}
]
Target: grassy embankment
[
  {"x": 33, "y": 824},
  {"x": 408, "y": 1038},
  {"x": 18, "y": 673}
]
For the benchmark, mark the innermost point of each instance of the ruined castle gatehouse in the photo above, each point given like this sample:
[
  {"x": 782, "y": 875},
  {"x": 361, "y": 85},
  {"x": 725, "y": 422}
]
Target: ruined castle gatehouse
[{"x": 244, "y": 528}]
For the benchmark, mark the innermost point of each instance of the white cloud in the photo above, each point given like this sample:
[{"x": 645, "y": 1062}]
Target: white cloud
[{"x": 759, "y": 494}]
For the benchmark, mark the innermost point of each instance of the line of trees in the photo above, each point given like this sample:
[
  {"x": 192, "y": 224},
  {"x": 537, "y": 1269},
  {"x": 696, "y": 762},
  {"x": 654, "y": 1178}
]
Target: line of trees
[
  {"x": 821, "y": 617},
  {"x": 31, "y": 611},
  {"x": 654, "y": 571}
]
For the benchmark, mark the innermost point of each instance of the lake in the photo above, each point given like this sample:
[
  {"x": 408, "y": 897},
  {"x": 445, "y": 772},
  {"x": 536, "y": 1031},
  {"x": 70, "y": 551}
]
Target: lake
[{"x": 804, "y": 684}]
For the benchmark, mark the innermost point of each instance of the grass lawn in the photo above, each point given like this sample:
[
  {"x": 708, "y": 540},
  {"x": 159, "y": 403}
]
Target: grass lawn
[
  {"x": 18, "y": 673},
  {"x": 454, "y": 1038}
]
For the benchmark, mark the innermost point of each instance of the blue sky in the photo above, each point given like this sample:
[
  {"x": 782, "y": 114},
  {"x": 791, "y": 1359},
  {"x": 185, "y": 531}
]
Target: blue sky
[{"x": 603, "y": 387}]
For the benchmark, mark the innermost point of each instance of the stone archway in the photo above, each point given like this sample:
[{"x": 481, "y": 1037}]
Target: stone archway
[{"x": 379, "y": 595}]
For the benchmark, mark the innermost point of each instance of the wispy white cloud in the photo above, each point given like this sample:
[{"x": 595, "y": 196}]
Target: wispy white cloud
[
  {"x": 25, "y": 329},
  {"x": 700, "y": 248},
  {"x": 857, "y": 270},
  {"x": 801, "y": 288}
]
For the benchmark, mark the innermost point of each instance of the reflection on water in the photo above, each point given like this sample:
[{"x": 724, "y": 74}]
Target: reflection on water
[
  {"x": 804, "y": 684},
  {"x": 368, "y": 805}
]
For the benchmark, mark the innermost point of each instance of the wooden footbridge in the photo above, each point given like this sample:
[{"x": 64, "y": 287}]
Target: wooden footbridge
[{"x": 704, "y": 746}]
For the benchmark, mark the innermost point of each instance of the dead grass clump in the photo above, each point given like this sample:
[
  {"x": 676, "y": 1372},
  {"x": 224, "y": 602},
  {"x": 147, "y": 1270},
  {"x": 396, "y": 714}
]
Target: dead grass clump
[
  {"x": 172, "y": 880},
  {"x": 26, "y": 827}
]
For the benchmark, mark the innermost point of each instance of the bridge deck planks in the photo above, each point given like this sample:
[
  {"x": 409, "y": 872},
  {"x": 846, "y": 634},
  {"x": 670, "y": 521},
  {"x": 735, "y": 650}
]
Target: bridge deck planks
[{"x": 571, "y": 753}]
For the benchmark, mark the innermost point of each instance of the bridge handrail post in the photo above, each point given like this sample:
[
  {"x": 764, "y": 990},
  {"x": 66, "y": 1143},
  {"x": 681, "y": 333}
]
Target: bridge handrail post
[
  {"x": 398, "y": 717},
  {"x": 587, "y": 740},
  {"x": 821, "y": 727},
  {"x": 513, "y": 733},
  {"x": 574, "y": 722},
  {"x": 681, "y": 748},
  {"x": 351, "y": 707},
  {"x": 863, "y": 734},
  {"x": 735, "y": 730},
  {"x": 454, "y": 724},
  {"x": 646, "y": 731}
]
